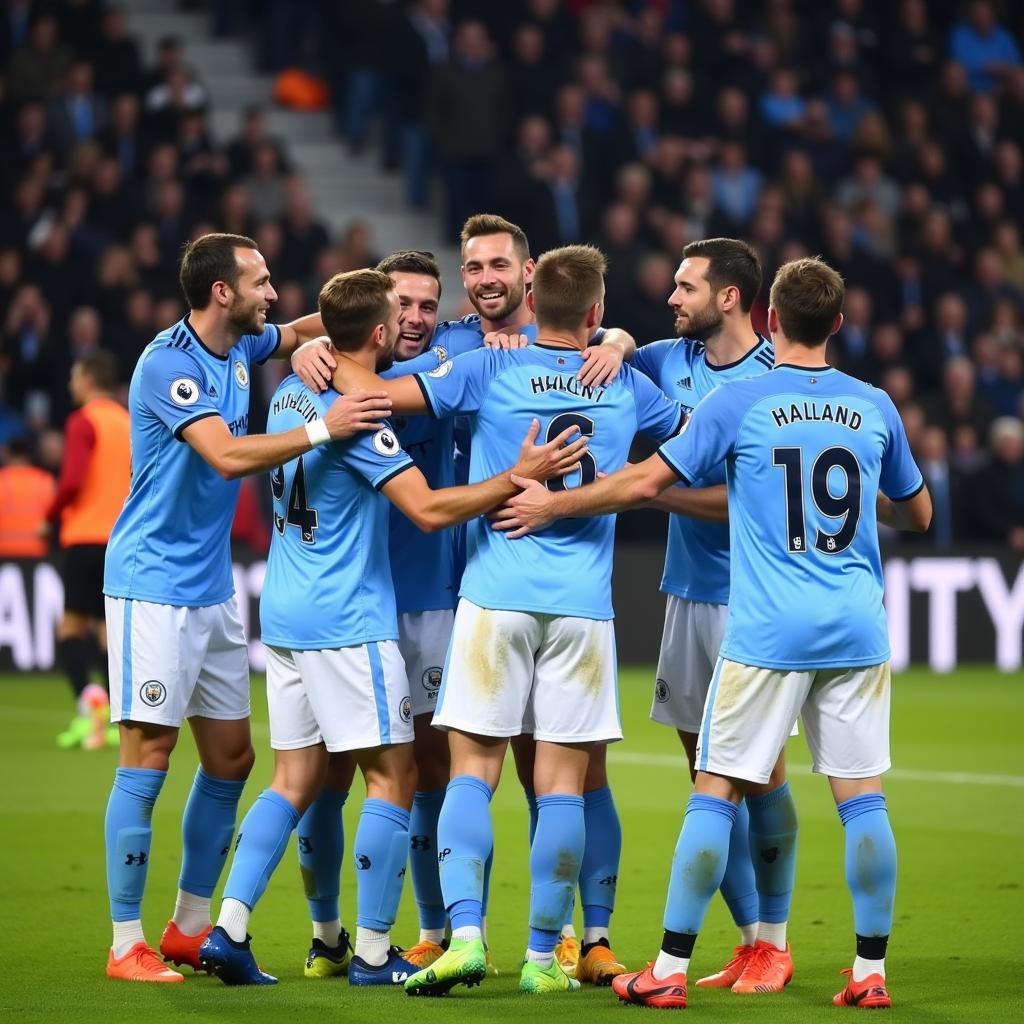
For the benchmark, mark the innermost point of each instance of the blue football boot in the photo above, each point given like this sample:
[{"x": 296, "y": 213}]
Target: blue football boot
[
  {"x": 232, "y": 961},
  {"x": 393, "y": 971}
]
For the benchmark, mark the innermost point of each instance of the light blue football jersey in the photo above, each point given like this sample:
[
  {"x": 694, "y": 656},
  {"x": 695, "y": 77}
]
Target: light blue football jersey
[
  {"x": 455, "y": 338},
  {"x": 806, "y": 452},
  {"x": 171, "y": 543},
  {"x": 565, "y": 569},
  {"x": 697, "y": 556},
  {"x": 328, "y": 581},
  {"x": 423, "y": 564}
]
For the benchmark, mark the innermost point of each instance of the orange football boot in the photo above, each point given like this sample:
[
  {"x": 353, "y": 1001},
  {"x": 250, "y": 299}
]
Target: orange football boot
[
  {"x": 730, "y": 973},
  {"x": 768, "y": 969},
  {"x": 641, "y": 988},
  {"x": 423, "y": 954},
  {"x": 598, "y": 965},
  {"x": 869, "y": 994},
  {"x": 140, "y": 963},
  {"x": 182, "y": 950}
]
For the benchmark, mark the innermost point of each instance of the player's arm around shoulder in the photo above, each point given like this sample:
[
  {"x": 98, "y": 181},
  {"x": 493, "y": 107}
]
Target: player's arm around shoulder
[
  {"x": 433, "y": 510},
  {"x": 404, "y": 393},
  {"x": 536, "y": 506},
  {"x": 233, "y": 457}
]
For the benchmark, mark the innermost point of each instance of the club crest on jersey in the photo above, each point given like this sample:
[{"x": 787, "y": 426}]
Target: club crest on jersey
[
  {"x": 184, "y": 391},
  {"x": 241, "y": 374},
  {"x": 153, "y": 693},
  {"x": 443, "y": 370},
  {"x": 431, "y": 680},
  {"x": 661, "y": 691},
  {"x": 405, "y": 709},
  {"x": 385, "y": 442},
  {"x": 441, "y": 352}
]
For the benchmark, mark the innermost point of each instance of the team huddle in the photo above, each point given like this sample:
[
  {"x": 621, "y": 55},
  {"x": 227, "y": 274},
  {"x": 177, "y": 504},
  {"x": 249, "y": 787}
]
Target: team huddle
[{"x": 438, "y": 588}]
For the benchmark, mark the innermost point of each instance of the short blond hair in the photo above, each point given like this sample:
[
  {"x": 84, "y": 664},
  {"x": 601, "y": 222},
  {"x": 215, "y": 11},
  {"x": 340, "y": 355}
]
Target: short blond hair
[
  {"x": 352, "y": 305},
  {"x": 481, "y": 224},
  {"x": 807, "y": 296},
  {"x": 566, "y": 283}
]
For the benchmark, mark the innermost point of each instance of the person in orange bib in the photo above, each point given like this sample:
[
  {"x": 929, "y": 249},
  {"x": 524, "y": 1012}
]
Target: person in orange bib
[
  {"x": 28, "y": 491},
  {"x": 93, "y": 484}
]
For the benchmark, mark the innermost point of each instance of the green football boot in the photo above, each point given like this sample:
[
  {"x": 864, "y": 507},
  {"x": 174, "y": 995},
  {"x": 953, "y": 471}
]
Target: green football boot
[
  {"x": 537, "y": 981},
  {"x": 464, "y": 963}
]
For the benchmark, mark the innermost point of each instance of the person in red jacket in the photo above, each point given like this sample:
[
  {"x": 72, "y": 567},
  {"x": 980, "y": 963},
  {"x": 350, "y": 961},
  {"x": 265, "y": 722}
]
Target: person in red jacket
[{"x": 93, "y": 484}]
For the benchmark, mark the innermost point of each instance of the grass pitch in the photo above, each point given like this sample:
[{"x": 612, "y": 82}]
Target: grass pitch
[{"x": 956, "y": 799}]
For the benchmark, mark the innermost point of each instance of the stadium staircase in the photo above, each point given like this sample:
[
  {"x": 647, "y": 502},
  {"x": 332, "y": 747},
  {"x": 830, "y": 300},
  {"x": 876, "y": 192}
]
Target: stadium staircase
[{"x": 344, "y": 187}]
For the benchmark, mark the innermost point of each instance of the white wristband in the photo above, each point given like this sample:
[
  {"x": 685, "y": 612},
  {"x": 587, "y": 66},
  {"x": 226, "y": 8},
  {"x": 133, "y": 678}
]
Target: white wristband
[{"x": 317, "y": 433}]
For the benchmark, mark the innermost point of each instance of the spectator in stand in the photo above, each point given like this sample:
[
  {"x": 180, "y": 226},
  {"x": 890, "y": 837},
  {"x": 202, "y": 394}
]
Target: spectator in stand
[
  {"x": 117, "y": 63},
  {"x": 959, "y": 404},
  {"x": 38, "y": 66},
  {"x": 945, "y": 484},
  {"x": 736, "y": 185},
  {"x": 469, "y": 116},
  {"x": 782, "y": 106},
  {"x": 78, "y": 113},
  {"x": 984, "y": 47},
  {"x": 987, "y": 288},
  {"x": 996, "y": 509},
  {"x": 420, "y": 44},
  {"x": 27, "y": 492}
]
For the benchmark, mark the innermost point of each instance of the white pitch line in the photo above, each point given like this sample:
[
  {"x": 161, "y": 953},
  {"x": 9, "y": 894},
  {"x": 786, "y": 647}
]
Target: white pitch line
[
  {"x": 630, "y": 757},
  {"x": 897, "y": 774}
]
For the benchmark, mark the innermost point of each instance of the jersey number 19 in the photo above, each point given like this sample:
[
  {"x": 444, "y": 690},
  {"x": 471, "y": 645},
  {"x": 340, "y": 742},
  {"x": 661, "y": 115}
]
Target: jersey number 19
[{"x": 845, "y": 506}]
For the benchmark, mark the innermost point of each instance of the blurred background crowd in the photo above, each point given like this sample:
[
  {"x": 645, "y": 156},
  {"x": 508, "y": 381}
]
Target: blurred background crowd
[{"x": 885, "y": 136}]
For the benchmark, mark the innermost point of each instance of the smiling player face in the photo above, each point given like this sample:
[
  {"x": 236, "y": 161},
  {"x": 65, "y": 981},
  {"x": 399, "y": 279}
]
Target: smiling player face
[
  {"x": 495, "y": 277},
  {"x": 692, "y": 301},
  {"x": 253, "y": 295},
  {"x": 418, "y": 295}
]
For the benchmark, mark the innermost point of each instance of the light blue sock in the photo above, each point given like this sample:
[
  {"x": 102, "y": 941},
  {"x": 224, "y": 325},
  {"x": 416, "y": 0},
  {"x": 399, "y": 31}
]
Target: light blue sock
[
  {"x": 698, "y": 864},
  {"x": 128, "y": 837},
  {"x": 465, "y": 838},
  {"x": 773, "y": 830},
  {"x": 543, "y": 940},
  {"x": 599, "y": 872},
  {"x": 321, "y": 835},
  {"x": 555, "y": 859},
  {"x": 739, "y": 886},
  {"x": 426, "y": 879},
  {"x": 531, "y": 808},
  {"x": 206, "y": 830},
  {"x": 262, "y": 840},
  {"x": 381, "y": 847},
  {"x": 870, "y": 863}
]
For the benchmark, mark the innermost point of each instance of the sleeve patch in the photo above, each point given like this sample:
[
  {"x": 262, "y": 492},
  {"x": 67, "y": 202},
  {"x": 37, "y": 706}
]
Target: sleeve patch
[
  {"x": 386, "y": 443},
  {"x": 442, "y": 371},
  {"x": 184, "y": 391}
]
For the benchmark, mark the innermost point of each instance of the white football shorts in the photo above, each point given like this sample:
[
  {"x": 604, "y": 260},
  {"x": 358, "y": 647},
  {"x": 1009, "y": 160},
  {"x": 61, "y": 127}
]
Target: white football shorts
[
  {"x": 689, "y": 650},
  {"x": 750, "y": 711},
  {"x": 423, "y": 639},
  {"x": 168, "y": 663},
  {"x": 351, "y": 698},
  {"x": 554, "y": 672}
]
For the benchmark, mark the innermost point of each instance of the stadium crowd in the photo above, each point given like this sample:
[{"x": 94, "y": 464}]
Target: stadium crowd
[{"x": 893, "y": 149}]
